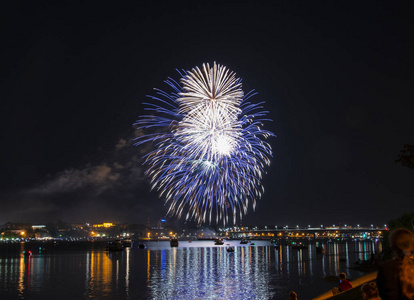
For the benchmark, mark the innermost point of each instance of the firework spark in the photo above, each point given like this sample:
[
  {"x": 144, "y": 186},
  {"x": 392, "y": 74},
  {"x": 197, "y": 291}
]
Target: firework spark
[{"x": 210, "y": 152}]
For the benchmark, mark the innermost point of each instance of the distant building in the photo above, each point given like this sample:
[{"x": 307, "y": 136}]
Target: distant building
[
  {"x": 41, "y": 227},
  {"x": 103, "y": 225},
  {"x": 17, "y": 226},
  {"x": 79, "y": 226}
]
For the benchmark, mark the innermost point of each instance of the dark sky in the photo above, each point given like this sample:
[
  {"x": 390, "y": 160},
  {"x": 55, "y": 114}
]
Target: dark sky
[{"x": 337, "y": 78}]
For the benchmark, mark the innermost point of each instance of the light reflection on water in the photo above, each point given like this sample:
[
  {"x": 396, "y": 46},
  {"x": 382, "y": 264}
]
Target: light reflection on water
[
  {"x": 198, "y": 270},
  {"x": 211, "y": 272}
]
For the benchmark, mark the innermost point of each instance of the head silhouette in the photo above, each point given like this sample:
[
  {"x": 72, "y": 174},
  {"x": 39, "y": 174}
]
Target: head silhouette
[
  {"x": 370, "y": 290},
  {"x": 293, "y": 296},
  {"x": 402, "y": 242}
]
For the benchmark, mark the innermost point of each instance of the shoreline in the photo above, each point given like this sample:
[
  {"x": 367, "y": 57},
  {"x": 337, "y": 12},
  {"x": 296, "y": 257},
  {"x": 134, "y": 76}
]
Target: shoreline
[{"x": 354, "y": 293}]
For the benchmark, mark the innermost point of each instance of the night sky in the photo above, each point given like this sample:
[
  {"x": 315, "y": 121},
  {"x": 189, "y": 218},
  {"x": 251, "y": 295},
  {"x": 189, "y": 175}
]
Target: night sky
[{"x": 337, "y": 78}]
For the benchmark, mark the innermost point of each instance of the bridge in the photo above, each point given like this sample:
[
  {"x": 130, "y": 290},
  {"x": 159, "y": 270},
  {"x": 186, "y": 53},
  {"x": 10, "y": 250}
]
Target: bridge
[{"x": 331, "y": 232}]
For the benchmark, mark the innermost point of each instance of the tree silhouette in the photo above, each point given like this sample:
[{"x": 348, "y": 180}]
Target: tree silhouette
[{"x": 406, "y": 156}]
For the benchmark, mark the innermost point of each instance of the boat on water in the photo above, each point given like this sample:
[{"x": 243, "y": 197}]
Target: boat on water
[
  {"x": 219, "y": 242},
  {"x": 174, "y": 242},
  {"x": 115, "y": 246},
  {"x": 127, "y": 242},
  {"x": 141, "y": 246},
  {"x": 320, "y": 249},
  {"x": 300, "y": 246},
  {"x": 230, "y": 249},
  {"x": 244, "y": 241}
]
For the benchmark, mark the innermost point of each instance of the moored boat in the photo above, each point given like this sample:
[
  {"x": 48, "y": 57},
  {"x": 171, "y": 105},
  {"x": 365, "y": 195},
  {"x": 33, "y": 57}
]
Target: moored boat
[
  {"x": 114, "y": 246},
  {"x": 174, "y": 242},
  {"x": 219, "y": 242},
  {"x": 320, "y": 249},
  {"x": 127, "y": 242},
  {"x": 300, "y": 246}
]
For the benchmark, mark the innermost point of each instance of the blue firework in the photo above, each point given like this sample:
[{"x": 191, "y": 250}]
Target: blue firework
[{"x": 209, "y": 149}]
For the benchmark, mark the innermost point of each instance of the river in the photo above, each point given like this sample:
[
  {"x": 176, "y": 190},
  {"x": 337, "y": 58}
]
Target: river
[{"x": 196, "y": 270}]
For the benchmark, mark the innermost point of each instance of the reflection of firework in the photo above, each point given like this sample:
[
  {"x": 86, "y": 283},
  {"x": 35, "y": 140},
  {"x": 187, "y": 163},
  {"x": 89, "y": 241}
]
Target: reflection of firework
[{"x": 210, "y": 156}]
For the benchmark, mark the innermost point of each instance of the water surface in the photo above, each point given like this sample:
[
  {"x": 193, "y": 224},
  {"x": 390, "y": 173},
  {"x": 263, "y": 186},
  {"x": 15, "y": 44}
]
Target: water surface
[{"x": 197, "y": 270}]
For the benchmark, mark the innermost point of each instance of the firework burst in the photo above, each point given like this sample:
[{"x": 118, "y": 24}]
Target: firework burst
[{"x": 209, "y": 150}]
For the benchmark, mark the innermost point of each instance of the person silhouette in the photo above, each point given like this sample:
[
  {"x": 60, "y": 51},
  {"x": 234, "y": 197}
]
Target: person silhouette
[
  {"x": 344, "y": 284},
  {"x": 395, "y": 279},
  {"x": 370, "y": 291}
]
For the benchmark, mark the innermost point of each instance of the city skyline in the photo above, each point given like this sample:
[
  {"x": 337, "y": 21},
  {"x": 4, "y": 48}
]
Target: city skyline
[{"x": 164, "y": 230}]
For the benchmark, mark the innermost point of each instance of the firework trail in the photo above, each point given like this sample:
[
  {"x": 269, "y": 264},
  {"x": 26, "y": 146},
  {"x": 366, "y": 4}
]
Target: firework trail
[{"x": 209, "y": 150}]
